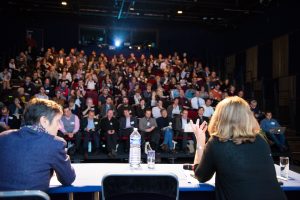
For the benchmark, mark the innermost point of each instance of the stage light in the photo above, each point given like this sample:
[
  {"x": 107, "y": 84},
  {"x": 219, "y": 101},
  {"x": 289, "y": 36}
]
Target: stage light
[
  {"x": 130, "y": 47},
  {"x": 179, "y": 12},
  {"x": 117, "y": 42},
  {"x": 64, "y": 3},
  {"x": 139, "y": 48}
]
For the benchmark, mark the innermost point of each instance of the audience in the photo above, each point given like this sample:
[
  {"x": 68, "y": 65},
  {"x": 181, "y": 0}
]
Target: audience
[{"x": 137, "y": 85}]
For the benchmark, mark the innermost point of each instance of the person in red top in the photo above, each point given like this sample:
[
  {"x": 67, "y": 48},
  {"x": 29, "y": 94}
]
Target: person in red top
[
  {"x": 216, "y": 92},
  {"x": 63, "y": 88}
]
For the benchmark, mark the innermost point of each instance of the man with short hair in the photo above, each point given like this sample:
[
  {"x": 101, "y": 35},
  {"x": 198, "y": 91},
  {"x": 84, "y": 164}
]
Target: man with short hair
[
  {"x": 267, "y": 125},
  {"x": 127, "y": 123},
  {"x": 7, "y": 120},
  {"x": 31, "y": 154},
  {"x": 148, "y": 127},
  {"x": 90, "y": 127},
  {"x": 180, "y": 123},
  {"x": 108, "y": 105},
  {"x": 197, "y": 101},
  {"x": 208, "y": 109},
  {"x": 70, "y": 125},
  {"x": 110, "y": 128},
  {"x": 124, "y": 105}
]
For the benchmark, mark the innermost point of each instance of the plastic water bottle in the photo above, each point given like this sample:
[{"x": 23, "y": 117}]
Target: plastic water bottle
[
  {"x": 135, "y": 149},
  {"x": 90, "y": 147}
]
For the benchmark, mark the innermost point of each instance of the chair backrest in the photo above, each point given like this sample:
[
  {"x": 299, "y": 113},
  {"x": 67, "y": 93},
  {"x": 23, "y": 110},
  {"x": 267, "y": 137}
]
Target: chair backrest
[
  {"x": 24, "y": 194},
  {"x": 140, "y": 186}
]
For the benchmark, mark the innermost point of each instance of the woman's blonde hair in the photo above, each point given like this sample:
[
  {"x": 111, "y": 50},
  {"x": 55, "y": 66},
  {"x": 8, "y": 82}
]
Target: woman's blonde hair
[{"x": 233, "y": 120}]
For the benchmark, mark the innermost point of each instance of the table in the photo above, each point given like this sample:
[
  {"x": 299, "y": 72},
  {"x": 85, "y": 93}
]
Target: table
[{"x": 89, "y": 177}]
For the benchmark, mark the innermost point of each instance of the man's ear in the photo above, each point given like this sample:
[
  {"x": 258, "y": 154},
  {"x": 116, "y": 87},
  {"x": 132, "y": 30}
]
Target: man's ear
[{"x": 44, "y": 122}]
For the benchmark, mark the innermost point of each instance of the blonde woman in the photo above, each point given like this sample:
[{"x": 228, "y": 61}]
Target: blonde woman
[{"x": 236, "y": 153}]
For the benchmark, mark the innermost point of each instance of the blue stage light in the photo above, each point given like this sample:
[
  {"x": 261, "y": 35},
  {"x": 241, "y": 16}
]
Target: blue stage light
[{"x": 117, "y": 42}]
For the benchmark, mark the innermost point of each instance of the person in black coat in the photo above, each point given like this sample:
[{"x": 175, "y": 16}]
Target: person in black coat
[
  {"x": 236, "y": 153},
  {"x": 124, "y": 105},
  {"x": 141, "y": 109},
  {"x": 164, "y": 125},
  {"x": 127, "y": 123},
  {"x": 179, "y": 125},
  {"x": 110, "y": 128},
  {"x": 90, "y": 127}
]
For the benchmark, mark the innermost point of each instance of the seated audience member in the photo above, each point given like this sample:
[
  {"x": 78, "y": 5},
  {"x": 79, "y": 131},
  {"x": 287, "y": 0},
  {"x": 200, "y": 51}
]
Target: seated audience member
[
  {"x": 110, "y": 128},
  {"x": 121, "y": 107},
  {"x": 183, "y": 101},
  {"x": 16, "y": 108},
  {"x": 63, "y": 88},
  {"x": 174, "y": 109},
  {"x": 197, "y": 101},
  {"x": 42, "y": 94},
  {"x": 180, "y": 123},
  {"x": 201, "y": 116},
  {"x": 208, "y": 109},
  {"x": 59, "y": 98},
  {"x": 164, "y": 125},
  {"x": 5, "y": 77},
  {"x": 256, "y": 111},
  {"x": 29, "y": 87},
  {"x": 127, "y": 123},
  {"x": 7, "y": 120},
  {"x": 30, "y": 155},
  {"x": 89, "y": 105},
  {"x": 90, "y": 127},
  {"x": 137, "y": 96},
  {"x": 231, "y": 91},
  {"x": 147, "y": 94},
  {"x": 79, "y": 99},
  {"x": 241, "y": 94},
  {"x": 216, "y": 93},
  {"x": 148, "y": 128},
  {"x": 141, "y": 109},
  {"x": 103, "y": 96},
  {"x": 267, "y": 125},
  {"x": 236, "y": 154},
  {"x": 70, "y": 126},
  {"x": 75, "y": 109},
  {"x": 156, "y": 110},
  {"x": 202, "y": 119},
  {"x": 203, "y": 93},
  {"x": 49, "y": 89},
  {"x": 108, "y": 105}
]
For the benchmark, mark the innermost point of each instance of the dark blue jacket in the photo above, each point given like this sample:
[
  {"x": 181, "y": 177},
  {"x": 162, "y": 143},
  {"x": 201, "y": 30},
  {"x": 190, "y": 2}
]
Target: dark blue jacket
[{"x": 28, "y": 159}]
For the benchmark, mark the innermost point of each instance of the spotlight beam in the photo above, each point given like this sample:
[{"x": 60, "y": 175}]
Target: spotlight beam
[{"x": 121, "y": 9}]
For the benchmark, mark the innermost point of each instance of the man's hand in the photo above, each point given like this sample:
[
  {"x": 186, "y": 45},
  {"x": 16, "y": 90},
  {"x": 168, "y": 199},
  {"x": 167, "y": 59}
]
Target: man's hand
[{"x": 71, "y": 135}]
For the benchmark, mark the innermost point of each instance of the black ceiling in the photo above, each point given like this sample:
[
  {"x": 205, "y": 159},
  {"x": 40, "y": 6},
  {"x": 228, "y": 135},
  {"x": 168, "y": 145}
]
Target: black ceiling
[{"x": 216, "y": 12}]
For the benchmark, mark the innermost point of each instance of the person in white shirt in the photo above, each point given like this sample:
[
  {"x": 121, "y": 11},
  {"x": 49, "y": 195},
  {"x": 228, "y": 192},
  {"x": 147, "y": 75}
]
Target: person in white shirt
[
  {"x": 156, "y": 110},
  {"x": 208, "y": 110},
  {"x": 197, "y": 101},
  {"x": 42, "y": 94}
]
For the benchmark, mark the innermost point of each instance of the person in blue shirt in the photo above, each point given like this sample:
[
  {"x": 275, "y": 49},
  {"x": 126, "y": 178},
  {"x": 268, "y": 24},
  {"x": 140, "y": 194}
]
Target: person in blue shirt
[{"x": 267, "y": 125}]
